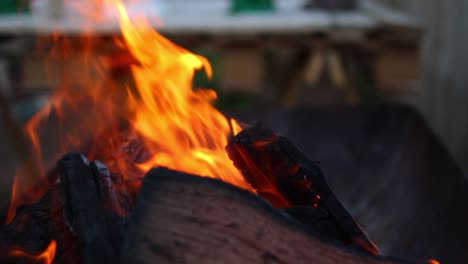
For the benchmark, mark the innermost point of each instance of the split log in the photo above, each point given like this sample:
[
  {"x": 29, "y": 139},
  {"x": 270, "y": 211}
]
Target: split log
[
  {"x": 278, "y": 171},
  {"x": 182, "y": 218}
]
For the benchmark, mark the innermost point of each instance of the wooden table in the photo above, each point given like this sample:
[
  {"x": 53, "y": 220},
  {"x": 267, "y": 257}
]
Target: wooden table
[{"x": 290, "y": 26}]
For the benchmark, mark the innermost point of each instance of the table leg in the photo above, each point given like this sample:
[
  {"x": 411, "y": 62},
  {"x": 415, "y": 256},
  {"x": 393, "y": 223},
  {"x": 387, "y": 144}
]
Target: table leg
[{"x": 290, "y": 77}]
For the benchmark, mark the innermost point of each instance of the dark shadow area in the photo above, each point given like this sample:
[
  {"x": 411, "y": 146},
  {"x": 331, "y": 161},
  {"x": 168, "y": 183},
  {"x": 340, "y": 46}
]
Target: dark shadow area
[{"x": 389, "y": 170}]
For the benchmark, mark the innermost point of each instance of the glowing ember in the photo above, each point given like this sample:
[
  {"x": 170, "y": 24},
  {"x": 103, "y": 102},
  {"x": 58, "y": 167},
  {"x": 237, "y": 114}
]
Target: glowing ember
[
  {"x": 46, "y": 257},
  {"x": 178, "y": 126}
]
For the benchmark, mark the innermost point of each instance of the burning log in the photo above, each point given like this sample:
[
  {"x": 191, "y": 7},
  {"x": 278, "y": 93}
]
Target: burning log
[
  {"x": 89, "y": 216},
  {"x": 91, "y": 207},
  {"x": 283, "y": 175},
  {"x": 178, "y": 217},
  {"x": 84, "y": 213},
  {"x": 35, "y": 226},
  {"x": 181, "y": 217}
]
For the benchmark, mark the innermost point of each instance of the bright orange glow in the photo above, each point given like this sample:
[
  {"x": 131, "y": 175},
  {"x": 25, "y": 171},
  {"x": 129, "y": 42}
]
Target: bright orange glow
[
  {"x": 236, "y": 128},
  {"x": 46, "y": 257},
  {"x": 433, "y": 261},
  {"x": 180, "y": 126},
  {"x": 14, "y": 197},
  {"x": 176, "y": 125}
]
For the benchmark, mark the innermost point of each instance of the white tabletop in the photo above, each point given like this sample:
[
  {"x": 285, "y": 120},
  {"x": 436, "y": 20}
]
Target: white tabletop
[{"x": 192, "y": 17}]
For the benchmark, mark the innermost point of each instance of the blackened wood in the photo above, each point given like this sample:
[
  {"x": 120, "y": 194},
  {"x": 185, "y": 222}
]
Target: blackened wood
[
  {"x": 279, "y": 171},
  {"x": 36, "y": 225},
  {"x": 95, "y": 209},
  {"x": 84, "y": 211},
  {"x": 116, "y": 200},
  {"x": 181, "y": 218}
]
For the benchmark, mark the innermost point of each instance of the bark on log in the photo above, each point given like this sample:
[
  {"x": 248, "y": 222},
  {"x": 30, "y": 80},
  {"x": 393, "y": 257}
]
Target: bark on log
[{"x": 181, "y": 218}]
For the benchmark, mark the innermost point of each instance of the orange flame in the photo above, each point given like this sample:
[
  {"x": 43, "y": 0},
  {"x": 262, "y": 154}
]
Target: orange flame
[
  {"x": 46, "y": 257},
  {"x": 433, "y": 261},
  {"x": 178, "y": 125}
]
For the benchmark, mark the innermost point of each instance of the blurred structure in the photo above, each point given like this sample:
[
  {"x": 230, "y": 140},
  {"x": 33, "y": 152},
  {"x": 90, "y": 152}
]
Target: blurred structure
[
  {"x": 442, "y": 94},
  {"x": 266, "y": 54},
  {"x": 294, "y": 54}
]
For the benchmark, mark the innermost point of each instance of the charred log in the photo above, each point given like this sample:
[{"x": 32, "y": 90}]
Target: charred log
[
  {"x": 84, "y": 211},
  {"x": 117, "y": 202},
  {"x": 180, "y": 217},
  {"x": 286, "y": 177},
  {"x": 35, "y": 226}
]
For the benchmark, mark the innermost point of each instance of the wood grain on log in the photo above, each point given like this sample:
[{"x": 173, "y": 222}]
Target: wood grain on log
[{"x": 181, "y": 218}]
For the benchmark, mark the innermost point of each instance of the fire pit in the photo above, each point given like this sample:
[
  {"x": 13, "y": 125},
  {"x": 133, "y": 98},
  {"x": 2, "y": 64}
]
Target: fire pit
[
  {"x": 385, "y": 165},
  {"x": 162, "y": 176}
]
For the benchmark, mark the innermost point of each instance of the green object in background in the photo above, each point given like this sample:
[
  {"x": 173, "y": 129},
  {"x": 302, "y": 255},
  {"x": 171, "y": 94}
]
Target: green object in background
[
  {"x": 242, "y": 6},
  {"x": 236, "y": 101},
  {"x": 226, "y": 101},
  {"x": 14, "y": 6},
  {"x": 201, "y": 80}
]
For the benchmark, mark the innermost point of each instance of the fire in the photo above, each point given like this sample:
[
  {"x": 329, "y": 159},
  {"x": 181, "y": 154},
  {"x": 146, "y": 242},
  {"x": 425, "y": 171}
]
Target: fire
[
  {"x": 46, "y": 257},
  {"x": 177, "y": 125}
]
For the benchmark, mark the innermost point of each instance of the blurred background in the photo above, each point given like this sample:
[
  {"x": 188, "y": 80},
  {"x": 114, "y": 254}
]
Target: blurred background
[
  {"x": 342, "y": 64},
  {"x": 266, "y": 54}
]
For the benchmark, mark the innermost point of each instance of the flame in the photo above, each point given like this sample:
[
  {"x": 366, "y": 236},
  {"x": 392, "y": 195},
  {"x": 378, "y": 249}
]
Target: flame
[
  {"x": 46, "y": 257},
  {"x": 14, "y": 198},
  {"x": 177, "y": 125},
  {"x": 433, "y": 261}
]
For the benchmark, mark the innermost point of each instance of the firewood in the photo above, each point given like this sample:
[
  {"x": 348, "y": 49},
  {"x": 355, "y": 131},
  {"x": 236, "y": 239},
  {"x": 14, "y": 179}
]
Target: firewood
[
  {"x": 36, "y": 225},
  {"x": 84, "y": 211},
  {"x": 286, "y": 177},
  {"x": 182, "y": 218},
  {"x": 116, "y": 200}
]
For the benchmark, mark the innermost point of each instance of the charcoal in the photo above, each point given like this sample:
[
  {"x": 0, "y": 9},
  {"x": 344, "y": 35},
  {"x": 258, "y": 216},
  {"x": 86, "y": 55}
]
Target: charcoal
[{"x": 84, "y": 212}]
